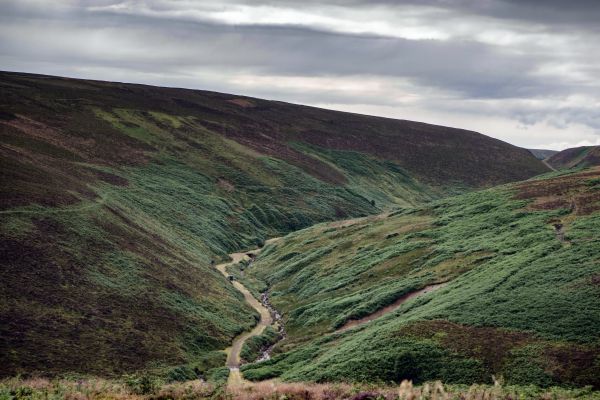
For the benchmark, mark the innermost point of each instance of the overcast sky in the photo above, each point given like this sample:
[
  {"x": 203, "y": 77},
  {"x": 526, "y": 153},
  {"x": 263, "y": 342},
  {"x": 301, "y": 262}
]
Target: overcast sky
[{"x": 524, "y": 71}]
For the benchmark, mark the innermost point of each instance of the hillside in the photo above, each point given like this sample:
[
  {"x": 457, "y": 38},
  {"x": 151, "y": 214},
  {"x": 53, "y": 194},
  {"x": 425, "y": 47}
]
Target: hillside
[
  {"x": 576, "y": 157},
  {"x": 503, "y": 282},
  {"x": 116, "y": 198},
  {"x": 542, "y": 154}
]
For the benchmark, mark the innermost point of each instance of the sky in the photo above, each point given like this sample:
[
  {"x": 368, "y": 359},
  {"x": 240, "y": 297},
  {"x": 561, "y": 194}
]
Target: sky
[{"x": 523, "y": 71}]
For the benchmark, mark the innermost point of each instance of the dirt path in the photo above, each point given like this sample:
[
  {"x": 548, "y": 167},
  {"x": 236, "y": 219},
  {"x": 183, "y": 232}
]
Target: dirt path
[
  {"x": 67, "y": 209},
  {"x": 266, "y": 319},
  {"x": 233, "y": 352},
  {"x": 547, "y": 164},
  {"x": 352, "y": 221},
  {"x": 385, "y": 310}
]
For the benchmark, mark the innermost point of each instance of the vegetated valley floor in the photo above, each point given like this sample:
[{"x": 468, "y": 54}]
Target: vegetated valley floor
[{"x": 521, "y": 267}]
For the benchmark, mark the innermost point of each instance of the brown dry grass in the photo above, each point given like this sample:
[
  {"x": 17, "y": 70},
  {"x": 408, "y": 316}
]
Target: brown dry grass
[
  {"x": 405, "y": 391},
  {"x": 97, "y": 388},
  {"x": 570, "y": 191}
]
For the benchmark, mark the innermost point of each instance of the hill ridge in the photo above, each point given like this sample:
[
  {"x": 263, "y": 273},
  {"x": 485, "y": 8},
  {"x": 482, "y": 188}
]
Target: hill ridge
[{"x": 576, "y": 157}]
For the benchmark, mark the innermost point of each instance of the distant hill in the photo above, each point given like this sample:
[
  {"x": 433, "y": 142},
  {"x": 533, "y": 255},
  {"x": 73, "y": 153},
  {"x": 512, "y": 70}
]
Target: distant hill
[
  {"x": 116, "y": 198},
  {"x": 585, "y": 156},
  {"x": 502, "y": 282},
  {"x": 542, "y": 154}
]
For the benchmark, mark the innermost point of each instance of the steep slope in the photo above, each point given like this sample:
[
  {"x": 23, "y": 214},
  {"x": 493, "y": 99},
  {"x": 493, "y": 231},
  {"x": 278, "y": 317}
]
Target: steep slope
[
  {"x": 575, "y": 157},
  {"x": 542, "y": 154},
  {"x": 115, "y": 198},
  {"x": 512, "y": 277}
]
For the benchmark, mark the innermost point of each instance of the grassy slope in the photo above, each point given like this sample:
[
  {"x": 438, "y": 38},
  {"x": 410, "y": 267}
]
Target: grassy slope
[
  {"x": 519, "y": 301},
  {"x": 576, "y": 157},
  {"x": 116, "y": 197}
]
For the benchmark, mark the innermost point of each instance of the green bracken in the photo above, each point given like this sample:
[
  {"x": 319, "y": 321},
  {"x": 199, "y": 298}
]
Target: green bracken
[{"x": 519, "y": 301}]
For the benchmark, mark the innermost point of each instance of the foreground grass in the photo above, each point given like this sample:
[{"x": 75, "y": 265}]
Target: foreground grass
[{"x": 96, "y": 389}]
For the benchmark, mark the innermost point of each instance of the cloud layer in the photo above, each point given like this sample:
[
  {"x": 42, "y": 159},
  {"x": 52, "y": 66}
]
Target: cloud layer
[{"x": 522, "y": 71}]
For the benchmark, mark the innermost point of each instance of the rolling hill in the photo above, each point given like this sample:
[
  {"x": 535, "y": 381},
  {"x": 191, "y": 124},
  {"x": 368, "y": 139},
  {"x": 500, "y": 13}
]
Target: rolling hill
[
  {"x": 502, "y": 282},
  {"x": 576, "y": 157},
  {"x": 117, "y": 198}
]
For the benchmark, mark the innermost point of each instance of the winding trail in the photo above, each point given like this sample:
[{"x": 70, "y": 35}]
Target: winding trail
[
  {"x": 266, "y": 318},
  {"x": 547, "y": 164},
  {"x": 67, "y": 209},
  {"x": 266, "y": 315},
  {"x": 388, "y": 309},
  {"x": 233, "y": 352}
]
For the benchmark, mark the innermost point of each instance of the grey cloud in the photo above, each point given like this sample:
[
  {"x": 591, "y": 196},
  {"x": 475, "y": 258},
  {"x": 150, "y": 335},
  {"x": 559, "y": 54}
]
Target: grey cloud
[
  {"x": 563, "y": 117},
  {"x": 470, "y": 68},
  {"x": 577, "y": 14}
]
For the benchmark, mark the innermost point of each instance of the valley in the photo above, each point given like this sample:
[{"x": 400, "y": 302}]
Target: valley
[
  {"x": 400, "y": 251},
  {"x": 115, "y": 192}
]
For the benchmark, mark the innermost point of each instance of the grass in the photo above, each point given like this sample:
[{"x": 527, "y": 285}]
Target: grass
[
  {"x": 95, "y": 389},
  {"x": 519, "y": 303}
]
